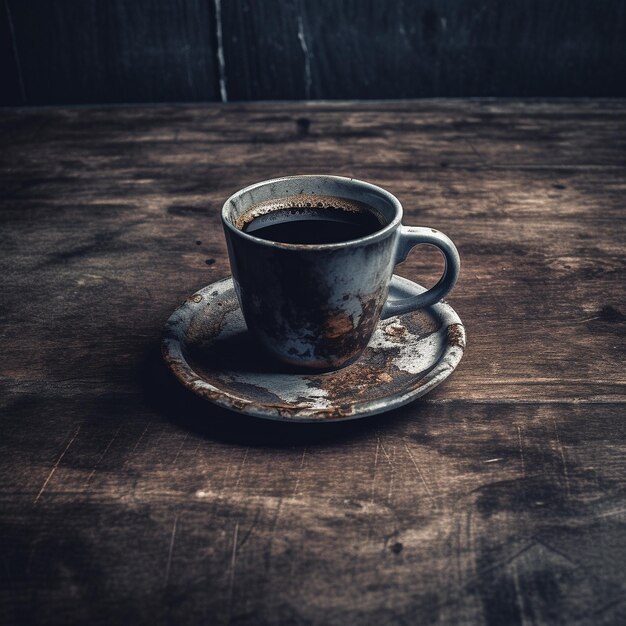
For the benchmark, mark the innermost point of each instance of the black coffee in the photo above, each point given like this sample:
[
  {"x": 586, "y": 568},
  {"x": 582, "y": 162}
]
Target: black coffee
[{"x": 311, "y": 220}]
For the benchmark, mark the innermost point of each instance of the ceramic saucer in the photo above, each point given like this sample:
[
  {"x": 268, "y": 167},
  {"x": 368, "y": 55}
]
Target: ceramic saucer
[{"x": 207, "y": 347}]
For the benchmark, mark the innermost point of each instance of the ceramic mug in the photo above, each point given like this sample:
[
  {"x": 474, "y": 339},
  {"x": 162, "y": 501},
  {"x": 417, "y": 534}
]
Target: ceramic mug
[{"x": 317, "y": 305}]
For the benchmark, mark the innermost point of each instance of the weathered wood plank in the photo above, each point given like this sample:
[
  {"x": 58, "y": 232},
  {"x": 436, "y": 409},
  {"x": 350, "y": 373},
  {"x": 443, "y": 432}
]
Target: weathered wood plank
[
  {"x": 496, "y": 499},
  {"x": 118, "y": 217},
  {"x": 398, "y": 49},
  {"x": 493, "y": 514},
  {"x": 96, "y": 51},
  {"x": 404, "y": 137},
  {"x": 115, "y": 51},
  {"x": 10, "y": 71}
]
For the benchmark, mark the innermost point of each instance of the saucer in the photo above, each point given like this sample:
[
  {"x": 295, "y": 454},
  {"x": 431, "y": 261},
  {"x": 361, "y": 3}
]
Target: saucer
[{"x": 208, "y": 348}]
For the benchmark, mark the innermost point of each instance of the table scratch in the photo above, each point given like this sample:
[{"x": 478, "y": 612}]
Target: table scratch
[
  {"x": 252, "y": 527},
  {"x": 611, "y": 513},
  {"x": 295, "y": 488},
  {"x": 385, "y": 452},
  {"x": 375, "y": 469},
  {"x": 195, "y": 452},
  {"x": 171, "y": 550},
  {"x": 127, "y": 461},
  {"x": 54, "y": 467},
  {"x": 268, "y": 553},
  {"x": 93, "y": 471},
  {"x": 521, "y": 451},
  {"x": 145, "y": 430},
  {"x": 419, "y": 472},
  {"x": 560, "y": 447},
  {"x": 243, "y": 463},
  {"x": 231, "y": 584},
  {"x": 180, "y": 449},
  {"x": 393, "y": 474}
]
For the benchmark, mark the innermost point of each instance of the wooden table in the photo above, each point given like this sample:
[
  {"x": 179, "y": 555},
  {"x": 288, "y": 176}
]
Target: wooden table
[{"x": 497, "y": 499}]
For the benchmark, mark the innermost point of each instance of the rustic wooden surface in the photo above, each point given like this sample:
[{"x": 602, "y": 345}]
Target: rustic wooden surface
[
  {"x": 497, "y": 499},
  {"x": 94, "y": 51}
]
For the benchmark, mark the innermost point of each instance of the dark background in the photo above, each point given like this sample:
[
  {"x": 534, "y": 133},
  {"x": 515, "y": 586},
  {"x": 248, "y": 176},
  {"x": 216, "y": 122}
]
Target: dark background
[{"x": 98, "y": 51}]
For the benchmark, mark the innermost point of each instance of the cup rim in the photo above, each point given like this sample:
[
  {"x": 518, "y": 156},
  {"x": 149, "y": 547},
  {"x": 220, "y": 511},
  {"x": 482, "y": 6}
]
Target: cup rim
[{"x": 372, "y": 238}]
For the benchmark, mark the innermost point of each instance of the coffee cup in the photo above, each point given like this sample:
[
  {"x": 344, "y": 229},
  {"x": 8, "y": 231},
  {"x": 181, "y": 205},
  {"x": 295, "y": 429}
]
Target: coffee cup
[{"x": 312, "y": 258}]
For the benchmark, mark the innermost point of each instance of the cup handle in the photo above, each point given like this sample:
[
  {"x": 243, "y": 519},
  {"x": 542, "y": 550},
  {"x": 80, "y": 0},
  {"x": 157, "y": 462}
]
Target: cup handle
[{"x": 408, "y": 238}]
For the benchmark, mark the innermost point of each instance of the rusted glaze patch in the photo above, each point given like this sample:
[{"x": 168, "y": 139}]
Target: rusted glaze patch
[
  {"x": 207, "y": 346},
  {"x": 456, "y": 336}
]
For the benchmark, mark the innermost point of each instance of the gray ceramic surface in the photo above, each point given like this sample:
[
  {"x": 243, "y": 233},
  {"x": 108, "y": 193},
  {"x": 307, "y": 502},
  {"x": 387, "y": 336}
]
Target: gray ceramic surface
[
  {"x": 207, "y": 346},
  {"x": 317, "y": 305}
]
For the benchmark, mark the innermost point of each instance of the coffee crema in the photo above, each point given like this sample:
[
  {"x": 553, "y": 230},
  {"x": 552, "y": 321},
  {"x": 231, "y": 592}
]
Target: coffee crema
[{"x": 310, "y": 220}]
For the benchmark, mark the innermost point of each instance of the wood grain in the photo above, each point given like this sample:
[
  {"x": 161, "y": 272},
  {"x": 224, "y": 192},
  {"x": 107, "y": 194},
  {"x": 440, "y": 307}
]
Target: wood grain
[
  {"x": 498, "y": 498},
  {"x": 94, "y": 51},
  {"x": 114, "y": 51},
  {"x": 11, "y": 77},
  {"x": 406, "y": 49}
]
